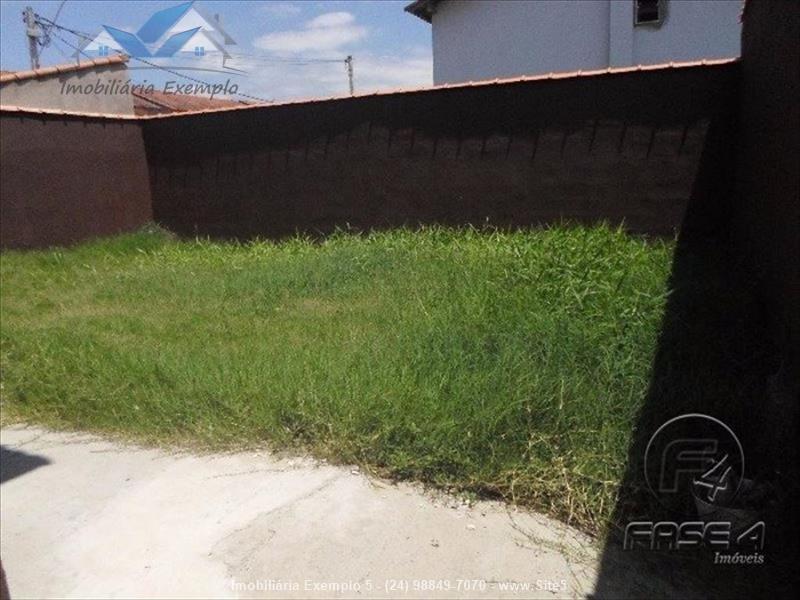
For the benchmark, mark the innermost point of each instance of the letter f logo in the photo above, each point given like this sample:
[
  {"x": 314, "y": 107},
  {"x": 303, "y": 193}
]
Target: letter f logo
[{"x": 685, "y": 457}]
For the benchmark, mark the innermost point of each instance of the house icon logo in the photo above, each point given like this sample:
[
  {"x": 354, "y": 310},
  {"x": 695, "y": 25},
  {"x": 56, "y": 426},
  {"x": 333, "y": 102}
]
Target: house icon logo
[{"x": 182, "y": 31}]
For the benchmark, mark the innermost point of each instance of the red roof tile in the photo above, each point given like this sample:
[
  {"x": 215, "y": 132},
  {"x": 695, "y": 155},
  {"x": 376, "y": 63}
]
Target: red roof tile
[
  {"x": 155, "y": 103},
  {"x": 8, "y": 76},
  {"x": 447, "y": 86}
]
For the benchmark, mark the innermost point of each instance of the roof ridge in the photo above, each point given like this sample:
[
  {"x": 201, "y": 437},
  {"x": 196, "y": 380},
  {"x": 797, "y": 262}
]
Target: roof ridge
[
  {"x": 62, "y": 68},
  {"x": 157, "y": 24}
]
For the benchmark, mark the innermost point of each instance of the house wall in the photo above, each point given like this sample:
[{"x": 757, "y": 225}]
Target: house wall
[
  {"x": 483, "y": 39},
  {"x": 691, "y": 30},
  {"x": 66, "y": 179},
  {"x": 52, "y": 92},
  {"x": 201, "y": 38},
  {"x": 92, "y": 48},
  {"x": 190, "y": 20},
  {"x": 623, "y": 148}
]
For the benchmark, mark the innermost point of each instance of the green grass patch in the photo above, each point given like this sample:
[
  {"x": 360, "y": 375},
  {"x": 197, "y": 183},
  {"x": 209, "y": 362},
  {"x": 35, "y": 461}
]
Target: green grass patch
[{"x": 508, "y": 363}]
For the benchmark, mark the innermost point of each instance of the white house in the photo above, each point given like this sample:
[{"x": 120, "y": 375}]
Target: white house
[
  {"x": 186, "y": 29},
  {"x": 110, "y": 41},
  {"x": 483, "y": 39},
  {"x": 194, "y": 43},
  {"x": 181, "y": 31}
]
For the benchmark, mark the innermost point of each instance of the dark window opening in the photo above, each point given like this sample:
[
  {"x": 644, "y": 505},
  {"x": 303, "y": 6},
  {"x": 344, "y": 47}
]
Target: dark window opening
[{"x": 648, "y": 12}]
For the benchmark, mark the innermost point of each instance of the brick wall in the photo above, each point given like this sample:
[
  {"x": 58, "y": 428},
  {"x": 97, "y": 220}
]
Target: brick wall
[
  {"x": 623, "y": 148},
  {"x": 65, "y": 179}
]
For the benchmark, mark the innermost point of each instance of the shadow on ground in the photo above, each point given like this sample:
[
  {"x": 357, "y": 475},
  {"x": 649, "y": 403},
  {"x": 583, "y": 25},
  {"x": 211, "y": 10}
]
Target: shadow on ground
[
  {"x": 714, "y": 356},
  {"x": 14, "y": 463}
]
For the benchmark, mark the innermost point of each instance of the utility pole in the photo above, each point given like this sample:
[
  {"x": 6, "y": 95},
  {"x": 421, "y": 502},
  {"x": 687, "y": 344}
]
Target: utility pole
[
  {"x": 34, "y": 32},
  {"x": 349, "y": 63}
]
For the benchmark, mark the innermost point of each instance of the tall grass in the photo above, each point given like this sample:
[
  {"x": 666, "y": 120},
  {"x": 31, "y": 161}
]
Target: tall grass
[{"x": 509, "y": 363}]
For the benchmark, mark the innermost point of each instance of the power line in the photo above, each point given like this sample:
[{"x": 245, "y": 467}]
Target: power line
[
  {"x": 58, "y": 12},
  {"x": 177, "y": 74},
  {"x": 48, "y": 22},
  {"x": 74, "y": 47},
  {"x": 60, "y": 50},
  {"x": 155, "y": 66},
  {"x": 45, "y": 38},
  {"x": 348, "y": 61},
  {"x": 48, "y": 26},
  {"x": 38, "y": 32},
  {"x": 275, "y": 59}
]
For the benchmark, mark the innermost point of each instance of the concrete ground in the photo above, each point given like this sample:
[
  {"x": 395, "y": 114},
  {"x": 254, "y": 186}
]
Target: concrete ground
[{"x": 86, "y": 517}]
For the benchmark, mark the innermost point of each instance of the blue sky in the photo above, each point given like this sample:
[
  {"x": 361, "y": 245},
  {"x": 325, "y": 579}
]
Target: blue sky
[{"x": 390, "y": 47}]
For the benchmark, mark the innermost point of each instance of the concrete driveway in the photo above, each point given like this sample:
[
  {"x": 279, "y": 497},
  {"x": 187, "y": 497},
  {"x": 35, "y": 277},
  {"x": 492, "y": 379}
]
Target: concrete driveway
[{"x": 86, "y": 517}]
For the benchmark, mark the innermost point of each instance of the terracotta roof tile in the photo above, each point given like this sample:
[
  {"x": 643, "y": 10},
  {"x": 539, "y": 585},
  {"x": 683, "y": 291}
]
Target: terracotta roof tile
[
  {"x": 29, "y": 110},
  {"x": 9, "y": 76},
  {"x": 155, "y": 102},
  {"x": 447, "y": 86}
]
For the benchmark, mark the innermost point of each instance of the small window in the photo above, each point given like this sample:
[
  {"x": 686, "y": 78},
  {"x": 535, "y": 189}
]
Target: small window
[
  {"x": 648, "y": 12},
  {"x": 103, "y": 50},
  {"x": 199, "y": 51}
]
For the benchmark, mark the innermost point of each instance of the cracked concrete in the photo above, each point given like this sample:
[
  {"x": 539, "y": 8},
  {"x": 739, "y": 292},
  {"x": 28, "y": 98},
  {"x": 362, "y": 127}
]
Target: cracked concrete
[{"x": 86, "y": 517}]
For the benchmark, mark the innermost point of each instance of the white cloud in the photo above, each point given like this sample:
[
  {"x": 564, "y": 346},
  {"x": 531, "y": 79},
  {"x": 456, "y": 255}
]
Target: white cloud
[
  {"x": 281, "y": 10},
  {"x": 285, "y": 80},
  {"x": 380, "y": 72},
  {"x": 288, "y": 66},
  {"x": 326, "y": 32},
  {"x": 334, "y": 19}
]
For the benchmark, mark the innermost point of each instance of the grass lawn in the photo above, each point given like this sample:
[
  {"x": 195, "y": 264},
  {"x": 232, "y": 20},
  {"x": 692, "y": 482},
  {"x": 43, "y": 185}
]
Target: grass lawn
[{"x": 508, "y": 363}]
